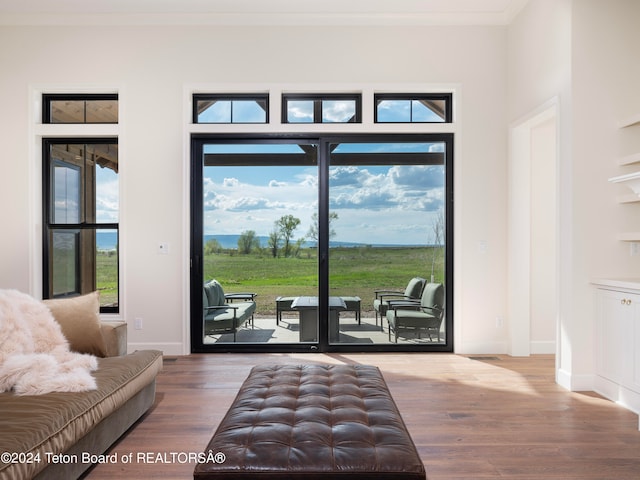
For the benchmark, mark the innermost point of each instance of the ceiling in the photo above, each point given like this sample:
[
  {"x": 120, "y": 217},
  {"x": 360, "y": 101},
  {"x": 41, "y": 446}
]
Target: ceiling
[{"x": 265, "y": 12}]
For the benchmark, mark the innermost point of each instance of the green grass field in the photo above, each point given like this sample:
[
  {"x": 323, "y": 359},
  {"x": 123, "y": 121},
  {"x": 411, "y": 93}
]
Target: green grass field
[
  {"x": 353, "y": 271},
  {"x": 107, "y": 277}
]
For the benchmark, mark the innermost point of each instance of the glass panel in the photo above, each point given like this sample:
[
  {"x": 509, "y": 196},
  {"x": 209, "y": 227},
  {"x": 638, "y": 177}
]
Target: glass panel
[
  {"x": 84, "y": 194},
  {"x": 426, "y": 111},
  {"x": 390, "y": 111},
  {"x": 259, "y": 202},
  {"x": 338, "y": 111},
  {"x": 102, "y": 111},
  {"x": 65, "y": 193},
  {"x": 249, "y": 111},
  {"x": 414, "y": 110},
  {"x": 65, "y": 255},
  {"x": 386, "y": 227},
  {"x": 103, "y": 158},
  {"x": 67, "y": 111},
  {"x": 300, "y": 111},
  {"x": 214, "y": 111},
  {"x": 231, "y": 110},
  {"x": 106, "y": 261},
  {"x": 83, "y": 111}
]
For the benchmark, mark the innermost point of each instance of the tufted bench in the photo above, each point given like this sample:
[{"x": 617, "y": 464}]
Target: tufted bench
[{"x": 312, "y": 422}]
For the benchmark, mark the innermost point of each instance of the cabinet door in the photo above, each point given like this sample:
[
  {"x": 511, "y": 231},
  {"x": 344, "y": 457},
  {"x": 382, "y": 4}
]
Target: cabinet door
[
  {"x": 634, "y": 361},
  {"x": 614, "y": 335}
]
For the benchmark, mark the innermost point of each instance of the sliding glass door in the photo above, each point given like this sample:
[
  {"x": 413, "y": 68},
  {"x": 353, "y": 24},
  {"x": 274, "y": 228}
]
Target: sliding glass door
[
  {"x": 307, "y": 244},
  {"x": 387, "y": 241}
]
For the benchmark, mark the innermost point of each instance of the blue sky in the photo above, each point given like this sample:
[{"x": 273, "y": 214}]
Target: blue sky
[{"x": 375, "y": 204}]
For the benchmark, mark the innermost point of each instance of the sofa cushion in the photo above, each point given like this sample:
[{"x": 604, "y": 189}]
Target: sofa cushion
[
  {"x": 214, "y": 295},
  {"x": 80, "y": 322}
]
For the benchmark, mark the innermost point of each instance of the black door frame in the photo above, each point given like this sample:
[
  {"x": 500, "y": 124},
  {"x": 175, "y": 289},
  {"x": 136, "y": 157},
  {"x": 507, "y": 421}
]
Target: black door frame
[{"x": 323, "y": 141}]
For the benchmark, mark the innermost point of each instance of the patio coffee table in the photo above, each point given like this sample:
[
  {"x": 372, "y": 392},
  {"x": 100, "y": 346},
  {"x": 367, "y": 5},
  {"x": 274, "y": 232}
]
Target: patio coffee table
[
  {"x": 308, "y": 308},
  {"x": 303, "y": 422}
]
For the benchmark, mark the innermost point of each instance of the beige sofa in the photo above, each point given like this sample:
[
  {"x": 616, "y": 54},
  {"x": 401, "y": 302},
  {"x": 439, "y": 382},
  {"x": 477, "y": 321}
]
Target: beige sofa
[{"x": 60, "y": 435}]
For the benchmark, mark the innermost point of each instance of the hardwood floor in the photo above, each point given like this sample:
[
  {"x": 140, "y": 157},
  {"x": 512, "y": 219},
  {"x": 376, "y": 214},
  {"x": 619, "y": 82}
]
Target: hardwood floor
[{"x": 471, "y": 418}]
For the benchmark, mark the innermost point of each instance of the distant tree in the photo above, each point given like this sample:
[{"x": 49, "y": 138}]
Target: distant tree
[
  {"x": 438, "y": 238},
  {"x": 248, "y": 241},
  {"x": 313, "y": 229},
  {"x": 286, "y": 226},
  {"x": 274, "y": 243},
  {"x": 212, "y": 246}
]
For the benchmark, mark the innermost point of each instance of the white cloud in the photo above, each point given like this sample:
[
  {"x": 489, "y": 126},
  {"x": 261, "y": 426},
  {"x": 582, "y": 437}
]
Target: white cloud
[{"x": 376, "y": 205}]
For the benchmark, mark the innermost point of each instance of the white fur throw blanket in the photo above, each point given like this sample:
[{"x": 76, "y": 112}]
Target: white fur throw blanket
[{"x": 34, "y": 354}]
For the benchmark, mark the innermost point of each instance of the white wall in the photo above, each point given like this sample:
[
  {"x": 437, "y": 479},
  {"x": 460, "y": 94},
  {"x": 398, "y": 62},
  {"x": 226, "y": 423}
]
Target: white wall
[
  {"x": 151, "y": 66},
  {"x": 544, "y": 238},
  {"x": 584, "y": 54},
  {"x": 606, "y": 75}
]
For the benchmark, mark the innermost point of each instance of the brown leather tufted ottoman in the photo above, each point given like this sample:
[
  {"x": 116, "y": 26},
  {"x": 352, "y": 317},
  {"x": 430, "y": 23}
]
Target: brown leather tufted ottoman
[{"x": 313, "y": 422}]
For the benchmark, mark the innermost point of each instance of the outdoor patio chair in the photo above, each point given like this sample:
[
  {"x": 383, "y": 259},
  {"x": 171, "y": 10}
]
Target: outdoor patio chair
[
  {"x": 225, "y": 313},
  {"x": 412, "y": 292},
  {"x": 416, "y": 316}
]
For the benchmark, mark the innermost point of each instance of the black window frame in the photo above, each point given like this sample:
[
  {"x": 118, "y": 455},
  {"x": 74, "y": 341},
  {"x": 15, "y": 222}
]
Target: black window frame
[
  {"x": 231, "y": 97},
  {"x": 48, "y": 98},
  {"x": 323, "y": 140},
  {"x": 47, "y": 216},
  {"x": 317, "y": 100},
  {"x": 446, "y": 97}
]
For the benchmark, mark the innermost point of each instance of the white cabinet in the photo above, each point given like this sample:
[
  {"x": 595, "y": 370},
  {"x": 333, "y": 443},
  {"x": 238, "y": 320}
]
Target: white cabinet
[{"x": 618, "y": 344}]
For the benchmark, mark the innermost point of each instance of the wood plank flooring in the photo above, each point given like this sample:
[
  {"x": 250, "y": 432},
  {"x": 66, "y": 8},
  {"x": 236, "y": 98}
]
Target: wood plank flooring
[{"x": 471, "y": 418}]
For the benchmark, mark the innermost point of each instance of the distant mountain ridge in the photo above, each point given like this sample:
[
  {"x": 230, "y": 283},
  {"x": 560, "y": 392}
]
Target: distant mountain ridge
[
  {"x": 231, "y": 241},
  {"x": 109, "y": 241}
]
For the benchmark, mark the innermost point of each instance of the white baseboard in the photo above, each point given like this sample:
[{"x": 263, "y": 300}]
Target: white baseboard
[
  {"x": 575, "y": 383},
  {"x": 173, "y": 348},
  {"x": 481, "y": 348},
  {"x": 618, "y": 393},
  {"x": 543, "y": 347}
]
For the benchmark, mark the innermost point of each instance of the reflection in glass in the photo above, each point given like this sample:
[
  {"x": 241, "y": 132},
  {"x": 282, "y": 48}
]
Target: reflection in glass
[
  {"x": 65, "y": 262},
  {"x": 83, "y": 207},
  {"x": 83, "y": 111},
  {"x": 66, "y": 193}
]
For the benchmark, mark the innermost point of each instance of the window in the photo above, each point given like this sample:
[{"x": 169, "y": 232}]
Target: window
[
  {"x": 81, "y": 205},
  {"x": 316, "y": 226},
  {"x": 337, "y": 108},
  {"x": 221, "y": 108},
  {"x": 412, "y": 108},
  {"x": 80, "y": 108}
]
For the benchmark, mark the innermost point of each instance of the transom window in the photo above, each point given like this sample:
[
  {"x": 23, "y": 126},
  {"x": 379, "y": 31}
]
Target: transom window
[
  {"x": 223, "y": 108},
  {"x": 64, "y": 108},
  {"x": 412, "y": 108},
  {"x": 311, "y": 108},
  {"x": 336, "y": 108}
]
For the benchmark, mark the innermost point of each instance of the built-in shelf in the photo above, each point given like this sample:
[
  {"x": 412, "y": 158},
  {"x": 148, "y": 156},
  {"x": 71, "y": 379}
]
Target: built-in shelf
[
  {"x": 629, "y": 159},
  {"x": 628, "y": 122},
  {"x": 629, "y": 237},
  {"x": 631, "y": 198},
  {"x": 631, "y": 180},
  {"x": 633, "y": 283}
]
